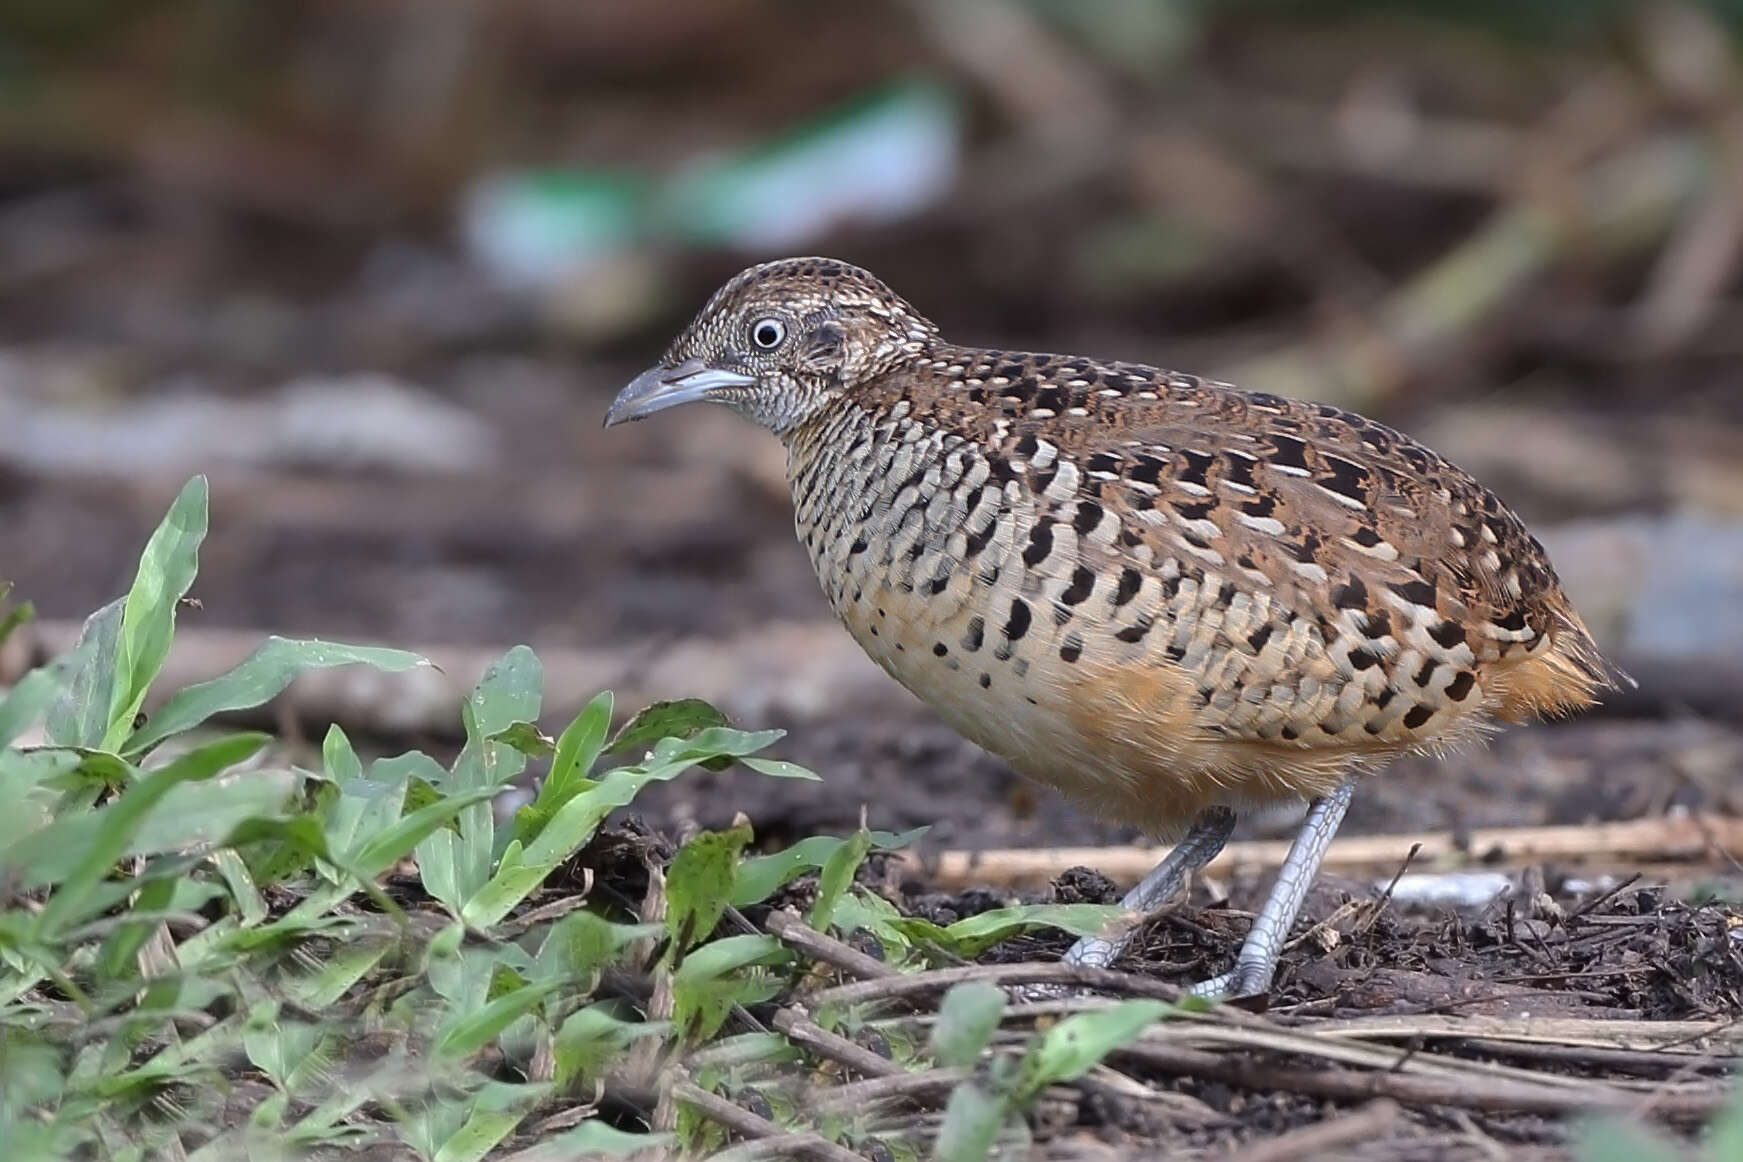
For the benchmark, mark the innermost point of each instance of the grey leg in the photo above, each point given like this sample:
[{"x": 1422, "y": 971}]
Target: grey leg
[
  {"x": 1202, "y": 841},
  {"x": 1257, "y": 962}
]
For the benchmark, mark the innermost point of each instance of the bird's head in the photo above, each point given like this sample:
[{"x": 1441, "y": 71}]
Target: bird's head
[{"x": 779, "y": 342}]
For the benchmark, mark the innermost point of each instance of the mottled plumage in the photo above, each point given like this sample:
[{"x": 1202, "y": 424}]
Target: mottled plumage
[{"x": 1157, "y": 593}]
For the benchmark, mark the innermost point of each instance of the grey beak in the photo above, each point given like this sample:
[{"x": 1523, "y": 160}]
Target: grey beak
[{"x": 659, "y": 388}]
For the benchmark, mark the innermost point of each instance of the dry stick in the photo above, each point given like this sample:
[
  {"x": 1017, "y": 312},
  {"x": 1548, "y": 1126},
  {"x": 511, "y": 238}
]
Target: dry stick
[
  {"x": 839, "y": 1049},
  {"x": 1641, "y": 1061},
  {"x": 1691, "y": 836},
  {"x": 1463, "y": 1092},
  {"x": 924, "y": 1084},
  {"x": 800, "y": 936},
  {"x": 749, "y": 1125},
  {"x": 939, "y": 979},
  {"x": 779, "y": 1146},
  {"x": 1370, "y": 1121}
]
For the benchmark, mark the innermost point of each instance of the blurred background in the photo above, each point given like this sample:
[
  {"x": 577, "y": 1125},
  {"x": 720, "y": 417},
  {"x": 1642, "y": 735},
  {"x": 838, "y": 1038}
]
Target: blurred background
[{"x": 377, "y": 266}]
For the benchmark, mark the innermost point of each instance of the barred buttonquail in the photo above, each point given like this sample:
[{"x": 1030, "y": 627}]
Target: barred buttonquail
[{"x": 1166, "y": 597}]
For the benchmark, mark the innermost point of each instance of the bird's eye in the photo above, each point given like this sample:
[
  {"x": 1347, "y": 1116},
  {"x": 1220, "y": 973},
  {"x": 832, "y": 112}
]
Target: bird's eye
[{"x": 768, "y": 333}]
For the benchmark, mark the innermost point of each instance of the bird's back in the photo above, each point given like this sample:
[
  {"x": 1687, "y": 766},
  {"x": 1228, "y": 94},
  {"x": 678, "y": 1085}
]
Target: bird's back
[{"x": 1157, "y": 592}]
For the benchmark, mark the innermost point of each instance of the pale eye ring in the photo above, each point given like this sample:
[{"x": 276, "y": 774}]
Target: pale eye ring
[{"x": 768, "y": 333}]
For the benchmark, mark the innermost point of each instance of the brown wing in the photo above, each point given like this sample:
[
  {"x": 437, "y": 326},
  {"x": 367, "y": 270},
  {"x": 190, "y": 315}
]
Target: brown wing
[{"x": 1324, "y": 580}]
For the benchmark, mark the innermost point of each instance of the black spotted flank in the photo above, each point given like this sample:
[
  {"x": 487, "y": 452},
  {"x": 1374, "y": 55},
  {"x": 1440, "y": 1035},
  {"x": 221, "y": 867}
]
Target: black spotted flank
[
  {"x": 1448, "y": 634},
  {"x": 1351, "y": 595},
  {"x": 1135, "y": 633},
  {"x": 1071, "y": 648},
  {"x": 1028, "y": 444},
  {"x": 979, "y": 541},
  {"x": 1460, "y": 687},
  {"x": 1362, "y": 658},
  {"x": 1082, "y": 585},
  {"x": 1102, "y": 462},
  {"x": 1129, "y": 583},
  {"x": 1257, "y": 639},
  {"x": 1018, "y": 623},
  {"x": 976, "y": 635},
  {"x": 1040, "y": 544},
  {"x": 1240, "y": 469},
  {"x": 1089, "y": 515},
  {"x": 1416, "y": 592},
  {"x": 1417, "y": 715}
]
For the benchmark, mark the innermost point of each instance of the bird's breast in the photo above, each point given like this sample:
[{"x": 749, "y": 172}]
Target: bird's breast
[{"x": 930, "y": 559}]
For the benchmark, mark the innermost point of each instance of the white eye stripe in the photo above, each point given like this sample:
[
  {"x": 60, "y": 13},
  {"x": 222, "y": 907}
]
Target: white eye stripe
[{"x": 768, "y": 333}]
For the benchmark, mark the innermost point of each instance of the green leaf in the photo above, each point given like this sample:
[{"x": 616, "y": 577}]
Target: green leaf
[
  {"x": 680, "y": 719},
  {"x": 27, "y": 701},
  {"x": 1614, "y": 1139},
  {"x": 577, "y": 750},
  {"x": 526, "y": 738},
  {"x": 166, "y": 570},
  {"x": 703, "y": 992},
  {"x": 344, "y": 967},
  {"x": 258, "y": 679},
  {"x": 116, "y": 960},
  {"x": 592, "y": 1039},
  {"x": 205, "y": 814},
  {"x": 973, "y": 935},
  {"x": 21, "y": 614},
  {"x": 781, "y": 769},
  {"x": 495, "y": 1111},
  {"x": 716, "y": 742},
  {"x": 761, "y": 876},
  {"x": 80, "y": 715},
  {"x": 968, "y": 1017},
  {"x": 590, "y": 1139},
  {"x": 97, "y": 847},
  {"x": 474, "y": 1030},
  {"x": 729, "y": 954},
  {"x": 699, "y": 883},
  {"x": 972, "y": 1121},
  {"x": 523, "y": 868},
  {"x": 454, "y": 865},
  {"x": 390, "y": 846},
  {"x": 583, "y": 942},
  {"x": 480, "y": 1133},
  {"x": 1725, "y": 1132},
  {"x": 838, "y": 872},
  {"x": 1077, "y": 1044},
  {"x": 240, "y": 885},
  {"x": 364, "y": 807},
  {"x": 29, "y": 804}
]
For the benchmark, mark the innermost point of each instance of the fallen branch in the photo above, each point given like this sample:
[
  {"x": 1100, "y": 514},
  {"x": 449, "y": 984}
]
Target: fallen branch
[
  {"x": 801, "y": 937},
  {"x": 937, "y": 980},
  {"x": 1371, "y": 1120},
  {"x": 804, "y": 1033},
  {"x": 1685, "y": 837},
  {"x": 1492, "y": 1095},
  {"x": 755, "y": 1127}
]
